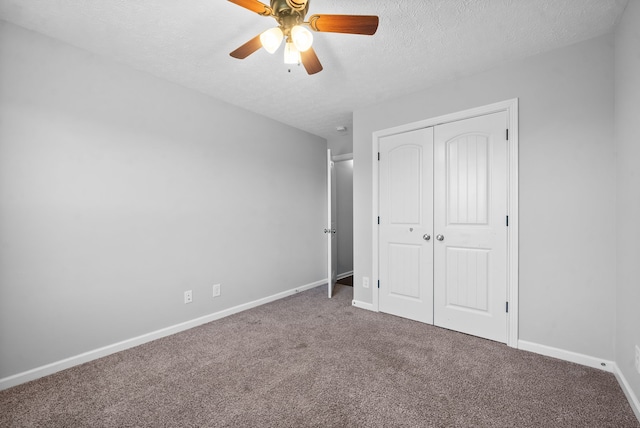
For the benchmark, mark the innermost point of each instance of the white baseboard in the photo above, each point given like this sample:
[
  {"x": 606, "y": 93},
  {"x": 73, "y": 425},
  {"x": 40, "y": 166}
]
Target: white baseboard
[
  {"x": 626, "y": 388},
  {"x": 363, "y": 305},
  {"x": 589, "y": 361},
  {"x": 344, "y": 275},
  {"x": 57, "y": 366},
  {"x": 570, "y": 356}
]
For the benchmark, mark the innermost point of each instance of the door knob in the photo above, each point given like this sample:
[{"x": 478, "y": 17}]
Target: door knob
[
  {"x": 440, "y": 237},
  {"x": 426, "y": 237}
]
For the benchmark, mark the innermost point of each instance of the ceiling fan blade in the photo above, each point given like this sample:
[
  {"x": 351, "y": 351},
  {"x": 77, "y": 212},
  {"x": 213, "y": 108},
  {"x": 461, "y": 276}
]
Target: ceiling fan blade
[
  {"x": 248, "y": 48},
  {"x": 310, "y": 61},
  {"x": 254, "y": 6},
  {"x": 350, "y": 24}
]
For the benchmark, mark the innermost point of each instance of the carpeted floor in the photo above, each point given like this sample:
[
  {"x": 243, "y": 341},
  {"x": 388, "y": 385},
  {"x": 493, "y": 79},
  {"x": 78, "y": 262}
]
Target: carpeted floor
[{"x": 310, "y": 361}]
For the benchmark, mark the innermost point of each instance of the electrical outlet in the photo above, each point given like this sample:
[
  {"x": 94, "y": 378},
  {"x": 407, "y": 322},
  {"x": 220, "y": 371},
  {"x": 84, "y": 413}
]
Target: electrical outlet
[
  {"x": 365, "y": 282},
  {"x": 188, "y": 297},
  {"x": 637, "y": 360},
  {"x": 216, "y": 290}
]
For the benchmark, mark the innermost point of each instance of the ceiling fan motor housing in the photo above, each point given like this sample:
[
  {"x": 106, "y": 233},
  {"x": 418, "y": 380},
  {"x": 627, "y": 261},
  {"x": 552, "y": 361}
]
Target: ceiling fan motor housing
[
  {"x": 290, "y": 7},
  {"x": 297, "y": 4}
]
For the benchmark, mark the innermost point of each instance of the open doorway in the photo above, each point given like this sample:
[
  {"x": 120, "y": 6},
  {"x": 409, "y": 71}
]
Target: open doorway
[{"x": 343, "y": 165}]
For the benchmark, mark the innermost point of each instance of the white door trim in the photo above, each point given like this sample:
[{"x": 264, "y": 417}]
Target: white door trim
[
  {"x": 511, "y": 107},
  {"x": 345, "y": 157}
]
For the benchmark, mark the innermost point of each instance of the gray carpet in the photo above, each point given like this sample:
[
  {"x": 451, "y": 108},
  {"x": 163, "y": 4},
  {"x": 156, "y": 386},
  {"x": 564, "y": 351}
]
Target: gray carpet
[{"x": 309, "y": 361}]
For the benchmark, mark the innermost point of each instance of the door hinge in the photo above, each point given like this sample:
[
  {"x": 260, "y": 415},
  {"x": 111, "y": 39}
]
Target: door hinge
[
  {"x": 507, "y": 134},
  {"x": 378, "y": 219},
  {"x": 507, "y": 221},
  {"x": 378, "y": 155},
  {"x": 378, "y": 283},
  {"x": 507, "y": 307}
]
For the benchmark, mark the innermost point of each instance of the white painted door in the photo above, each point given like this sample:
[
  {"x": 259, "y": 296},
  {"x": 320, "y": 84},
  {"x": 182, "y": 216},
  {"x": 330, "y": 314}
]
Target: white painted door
[
  {"x": 442, "y": 227},
  {"x": 330, "y": 231},
  {"x": 406, "y": 221},
  {"x": 470, "y": 209}
]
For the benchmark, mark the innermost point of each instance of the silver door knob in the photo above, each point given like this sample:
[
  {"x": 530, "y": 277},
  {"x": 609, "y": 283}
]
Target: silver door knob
[
  {"x": 426, "y": 237},
  {"x": 440, "y": 238}
]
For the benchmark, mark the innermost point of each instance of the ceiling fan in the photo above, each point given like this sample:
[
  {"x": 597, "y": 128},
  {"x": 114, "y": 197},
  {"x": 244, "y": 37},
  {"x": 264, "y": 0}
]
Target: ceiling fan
[{"x": 294, "y": 30}]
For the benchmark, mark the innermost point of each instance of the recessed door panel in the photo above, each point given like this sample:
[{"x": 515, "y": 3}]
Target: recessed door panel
[
  {"x": 404, "y": 271},
  {"x": 467, "y": 171},
  {"x": 405, "y": 191},
  {"x": 467, "y": 281}
]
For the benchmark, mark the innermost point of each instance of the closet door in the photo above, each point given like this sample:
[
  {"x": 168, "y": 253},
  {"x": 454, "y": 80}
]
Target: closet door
[
  {"x": 470, "y": 247},
  {"x": 406, "y": 221}
]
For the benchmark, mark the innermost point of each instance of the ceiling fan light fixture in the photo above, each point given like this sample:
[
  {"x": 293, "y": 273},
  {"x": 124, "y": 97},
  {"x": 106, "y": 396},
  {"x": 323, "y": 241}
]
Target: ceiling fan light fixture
[
  {"x": 271, "y": 39},
  {"x": 291, "y": 54},
  {"x": 294, "y": 27},
  {"x": 302, "y": 38}
]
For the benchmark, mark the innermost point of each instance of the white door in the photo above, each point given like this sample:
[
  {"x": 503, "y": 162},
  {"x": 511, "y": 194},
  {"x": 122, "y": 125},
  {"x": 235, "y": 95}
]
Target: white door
[
  {"x": 447, "y": 183},
  {"x": 406, "y": 222},
  {"x": 332, "y": 242},
  {"x": 470, "y": 214}
]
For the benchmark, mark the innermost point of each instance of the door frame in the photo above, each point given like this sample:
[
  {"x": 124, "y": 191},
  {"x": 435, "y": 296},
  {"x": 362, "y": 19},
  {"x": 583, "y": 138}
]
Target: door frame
[
  {"x": 338, "y": 159},
  {"x": 511, "y": 107}
]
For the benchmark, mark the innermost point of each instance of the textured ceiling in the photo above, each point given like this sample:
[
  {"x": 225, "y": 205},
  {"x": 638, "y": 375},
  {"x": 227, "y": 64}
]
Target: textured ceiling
[{"x": 419, "y": 43}]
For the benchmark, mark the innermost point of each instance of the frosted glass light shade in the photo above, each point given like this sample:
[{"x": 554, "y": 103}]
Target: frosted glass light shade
[
  {"x": 302, "y": 38},
  {"x": 291, "y": 54},
  {"x": 271, "y": 39}
]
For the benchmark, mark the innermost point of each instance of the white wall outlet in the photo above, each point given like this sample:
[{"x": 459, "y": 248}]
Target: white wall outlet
[
  {"x": 188, "y": 296},
  {"x": 365, "y": 282},
  {"x": 637, "y": 360},
  {"x": 216, "y": 290}
]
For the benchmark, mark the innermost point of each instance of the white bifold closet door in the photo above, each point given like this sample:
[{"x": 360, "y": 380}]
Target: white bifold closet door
[{"x": 443, "y": 231}]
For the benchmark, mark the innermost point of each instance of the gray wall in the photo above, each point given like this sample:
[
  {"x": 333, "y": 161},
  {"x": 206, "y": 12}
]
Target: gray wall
[
  {"x": 567, "y": 186},
  {"x": 627, "y": 129},
  {"x": 344, "y": 202},
  {"x": 119, "y": 191},
  {"x": 341, "y": 144}
]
